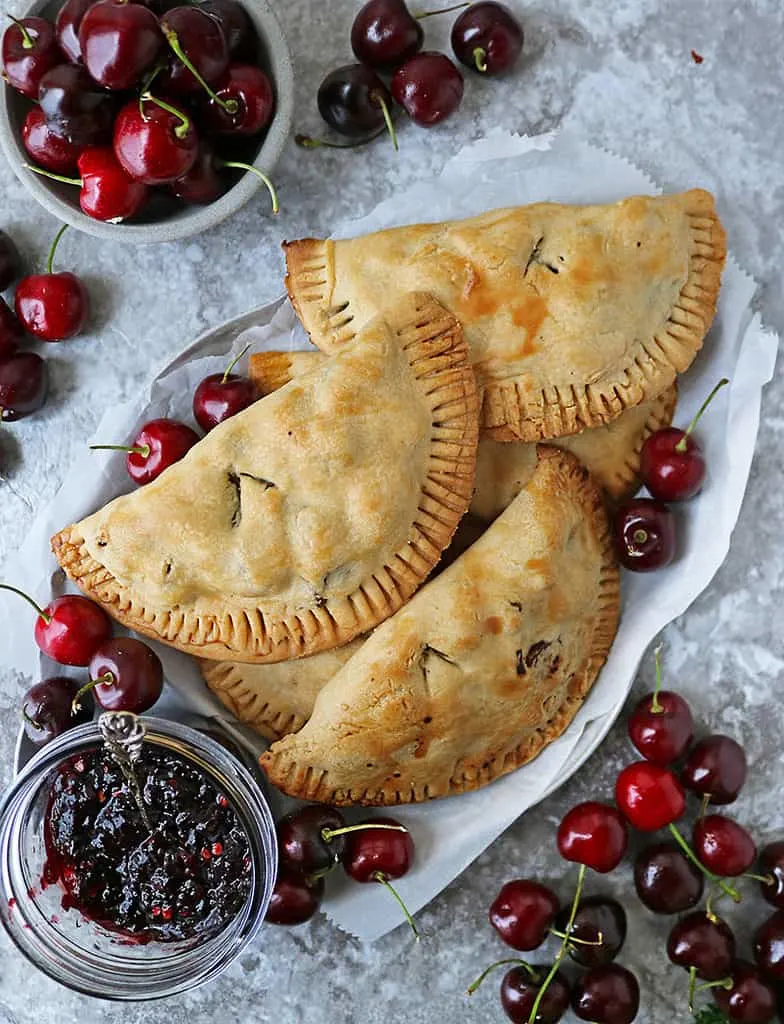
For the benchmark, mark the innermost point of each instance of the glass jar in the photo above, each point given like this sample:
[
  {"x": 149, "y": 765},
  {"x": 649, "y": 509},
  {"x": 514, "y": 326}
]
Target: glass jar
[{"x": 82, "y": 955}]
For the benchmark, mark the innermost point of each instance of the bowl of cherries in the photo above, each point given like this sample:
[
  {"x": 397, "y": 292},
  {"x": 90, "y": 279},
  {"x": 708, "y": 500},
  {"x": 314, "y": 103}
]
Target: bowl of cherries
[{"x": 145, "y": 121}]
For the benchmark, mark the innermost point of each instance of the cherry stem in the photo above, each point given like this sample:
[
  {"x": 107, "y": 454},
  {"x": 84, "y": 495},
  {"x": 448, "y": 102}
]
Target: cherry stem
[
  {"x": 183, "y": 127},
  {"x": 378, "y": 99},
  {"x": 328, "y": 834},
  {"x": 233, "y": 363},
  {"x": 145, "y": 88},
  {"x": 139, "y": 449},
  {"x": 698, "y": 863},
  {"x": 31, "y": 721},
  {"x": 480, "y": 59},
  {"x": 54, "y": 177},
  {"x": 421, "y": 15},
  {"x": 704, "y": 803},
  {"x": 500, "y": 963},
  {"x": 764, "y": 879},
  {"x": 680, "y": 447},
  {"x": 308, "y": 142},
  {"x": 55, "y": 243},
  {"x": 230, "y": 106},
  {"x": 27, "y": 40},
  {"x": 725, "y": 983},
  {"x": 575, "y": 941},
  {"x": 656, "y": 708},
  {"x": 692, "y": 987},
  {"x": 259, "y": 174},
  {"x": 14, "y": 590},
  {"x": 378, "y": 876},
  {"x": 640, "y": 536},
  {"x": 105, "y": 680},
  {"x": 563, "y": 950}
]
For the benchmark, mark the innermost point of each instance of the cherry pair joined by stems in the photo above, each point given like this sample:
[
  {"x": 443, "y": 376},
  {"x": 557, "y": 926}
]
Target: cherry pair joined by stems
[
  {"x": 47, "y": 710},
  {"x": 661, "y": 726},
  {"x": 158, "y": 445},
  {"x": 107, "y": 192},
  {"x": 69, "y": 629},
  {"x": 222, "y": 395},
  {"x": 125, "y": 675},
  {"x": 53, "y": 307}
]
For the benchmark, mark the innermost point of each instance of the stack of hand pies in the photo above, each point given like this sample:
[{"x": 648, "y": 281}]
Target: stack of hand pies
[{"x": 396, "y": 565}]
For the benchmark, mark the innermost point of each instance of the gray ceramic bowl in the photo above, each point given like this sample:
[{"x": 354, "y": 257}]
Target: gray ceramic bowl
[{"x": 156, "y": 224}]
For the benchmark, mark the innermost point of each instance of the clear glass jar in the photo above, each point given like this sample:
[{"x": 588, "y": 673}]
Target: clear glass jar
[{"x": 84, "y": 956}]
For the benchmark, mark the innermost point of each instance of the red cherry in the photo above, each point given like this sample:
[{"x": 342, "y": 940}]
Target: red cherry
[
  {"x": 120, "y": 41},
  {"x": 487, "y": 38},
  {"x": 158, "y": 445},
  {"x": 69, "y": 629},
  {"x": 703, "y": 943},
  {"x": 607, "y": 995},
  {"x": 429, "y": 87},
  {"x": 593, "y": 834},
  {"x": 772, "y": 865},
  {"x": 523, "y": 913},
  {"x": 207, "y": 180},
  {"x": 23, "y": 385},
  {"x": 385, "y": 34},
  {"x": 108, "y": 193},
  {"x": 125, "y": 675},
  {"x": 221, "y": 396},
  {"x": 69, "y": 18},
  {"x": 11, "y": 332},
  {"x": 196, "y": 39},
  {"x": 355, "y": 102},
  {"x": 716, "y": 767},
  {"x": 47, "y": 710},
  {"x": 244, "y": 102},
  {"x": 29, "y": 50},
  {"x": 723, "y": 846},
  {"x": 47, "y": 147},
  {"x": 295, "y": 898},
  {"x": 378, "y": 855},
  {"x": 10, "y": 263},
  {"x": 649, "y": 796},
  {"x": 53, "y": 307},
  {"x": 644, "y": 532},
  {"x": 78, "y": 109},
  {"x": 751, "y": 999},
  {"x": 661, "y": 726},
  {"x": 769, "y": 946},
  {"x": 154, "y": 141},
  {"x": 311, "y": 840},
  {"x": 666, "y": 880},
  {"x": 237, "y": 28},
  {"x": 520, "y": 989}
]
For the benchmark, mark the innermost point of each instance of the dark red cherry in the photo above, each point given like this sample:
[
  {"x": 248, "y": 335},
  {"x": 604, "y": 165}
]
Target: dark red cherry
[
  {"x": 306, "y": 843},
  {"x": 523, "y": 913},
  {"x": 666, "y": 880},
  {"x": 245, "y": 102},
  {"x": 108, "y": 193},
  {"x": 78, "y": 109},
  {"x": 10, "y": 262},
  {"x": 751, "y": 1000},
  {"x": 649, "y": 796},
  {"x": 23, "y": 385},
  {"x": 429, "y": 87},
  {"x": 29, "y": 50},
  {"x": 487, "y": 37},
  {"x": 69, "y": 19},
  {"x": 705, "y": 944},
  {"x": 769, "y": 947},
  {"x": 159, "y": 444},
  {"x": 661, "y": 727},
  {"x": 220, "y": 396},
  {"x": 295, "y": 898},
  {"x": 520, "y": 988},
  {"x": 69, "y": 629},
  {"x": 716, "y": 767},
  {"x": 196, "y": 39},
  {"x": 374, "y": 852},
  {"x": 593, "y": 834},
  {"x": 237, "y": 27},
  {"x": 607, "y": 995},
  {"x": 600, "y": 930},
  {"x": 11, "y": 332},
  {"x": 46, "y": 146},
  {"x": 47, "y": 711},
  {"x": 155, "y": 141},
  {"x": 385, "y": 34},
  {"x": 120, "y": 42},
  {"x": 354, "y": 101},
  {"x": 723, "y": 846},
  {"x": 53, "y": 307},
  {"x": 204, "y": 182},
  {"x": 125, "y": 675},
  {"x": 772, "y": 865},
  {"x": 644, "y": 532}
]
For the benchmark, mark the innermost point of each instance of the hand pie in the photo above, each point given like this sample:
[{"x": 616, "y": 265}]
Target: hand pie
[
  {"x": 611, "y": 453},
  {"x": 572, "y": 314},
  {"x": 481, "y": 669},
  {"x": 309, "y": 517}
]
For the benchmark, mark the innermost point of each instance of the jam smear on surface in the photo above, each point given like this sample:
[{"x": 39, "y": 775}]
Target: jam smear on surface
[{"x": 187, "y": 878}]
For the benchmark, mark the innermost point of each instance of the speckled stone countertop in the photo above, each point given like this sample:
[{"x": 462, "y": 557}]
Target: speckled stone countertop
[{"x": 621, "y": 74}]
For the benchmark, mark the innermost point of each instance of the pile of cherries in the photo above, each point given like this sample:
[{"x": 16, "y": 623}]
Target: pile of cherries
[
  {"x": 387, "y": 39},
  {"x": 669, "y": 878},
  {"x": 315, "y": 839},
  {"x": 127, "y": 102},
  {"x": 672, "y": 467}
]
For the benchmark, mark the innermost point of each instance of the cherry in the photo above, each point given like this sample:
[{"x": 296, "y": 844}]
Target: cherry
[
  {"x": 70, "y": 628},
  {"x": 385, "y": 34},
  {"x": 243, "y": 103},
  {"x": 159, "y": 444},
  {"x": 237, "y": 28},
  {"x": 75, "y": 107},
  {"x": 200, "y": 50},
  {"x": 53, "y": 307},
  {"x": 379, "y": 855},
  {"x": 723, "y": 846},
  {"x": 521, "y": 986},
  {"x": 23, "y": 385},
  {"x": 487, "y": 38},
  {"x": 306, "y": 843},
  {"x": 428, "y": 86},
  {"x": 716, "y": 767},
  {"x": 703, "y": 943},
  {"x": 29, "y": 50},
  {"x": 66, "y": 25},
  {"x": 649, "y": 796},
  {"x": 666, "y": 880},
  {"x": 354, "y": 101},
  {"x": 598, "y": 931},
  {"x": 593, "y": 834},
  {"x": 10, "y": 263},
  {"x": 772, "y": 865},
  {"x": 607, "y": 995},
  {"x": 125, "y": 675},
  {"x": 205, "y": 182},
  {"x": 222, "y": 395},
  {"x": 523, "y": 913},
  {"x": 107, "y": 192},
  {"x": 154, "y": 141},
  {"x": 769, "y": 946},
  {"x": 672, "y": 466},
  {"x": 661, "y": 726},
  {"x": 46, "y": 709},
  {"x": 295, "y": 898},
  {"x": 46, "y": 145},
  {"x": 644, "y": 532},
  {"x": 751, "y": 999},
  {"x": 11, "y": 332},
  {"x": 120, "y": 42}
]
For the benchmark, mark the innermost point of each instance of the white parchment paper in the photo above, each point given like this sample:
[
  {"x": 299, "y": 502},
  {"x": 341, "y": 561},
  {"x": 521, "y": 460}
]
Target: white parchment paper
[{"x": 500, "y": 170}]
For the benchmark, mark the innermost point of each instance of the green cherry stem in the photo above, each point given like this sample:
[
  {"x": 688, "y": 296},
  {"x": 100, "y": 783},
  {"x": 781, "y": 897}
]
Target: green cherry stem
[
  {"x": 480, "y": 59},
  {"x": 680, "y": 447},
  {"x": 183, "y": 127},
  {"x": 725, "y": 983},
  {"x": 500, "y": 963},
  {"x": 379, "y": 876},
  {"x": 33, "y": 604},
  {"x": 578, "y": 942},
  {"x": 308, "y": 142},
  {"x": 27, "y": 40},
  {"x": 764, "y": 879},
  {"x": 49, "y": 174},
  {"x": 379, "y": 100},
  {"x": 692, "y": 987},
  {"x": 725, "y": 888},
  {"x": 421, "y": 15},
  {"x": 31, "y": 721},
  {"x": 105, "y": 680},
  {"x": 656, "y": 708},
  {"x": 55, "y": 243},
  {"x": 562, "y": 951},
  {"x": 328, "y": 834},
  {"x": 233, "y": 363},
  {"x": 259, "y": 174},
  {"x": 140, "y": 449},
  {"x": 230, "y": 106}
]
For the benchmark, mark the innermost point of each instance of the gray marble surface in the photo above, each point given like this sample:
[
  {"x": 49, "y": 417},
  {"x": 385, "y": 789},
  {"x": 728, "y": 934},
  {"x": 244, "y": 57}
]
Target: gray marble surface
[{"x": 621, "y": 74}]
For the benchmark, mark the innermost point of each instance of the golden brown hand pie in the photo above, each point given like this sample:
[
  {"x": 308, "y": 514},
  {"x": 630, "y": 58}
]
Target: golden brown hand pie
[
  {"x": 309, "y": 517},
  {"x": 611, "y": 453},
  {"x": 481, "y": 669},
  {"x": 572, "y": 314}
]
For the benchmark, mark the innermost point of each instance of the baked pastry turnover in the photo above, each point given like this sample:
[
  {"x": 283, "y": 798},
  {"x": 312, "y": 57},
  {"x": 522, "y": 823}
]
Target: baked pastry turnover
[
  {"x": 481, "y": 669},
  {"x": 309, "y": 517},
  {"x": 572, "y": 314}
]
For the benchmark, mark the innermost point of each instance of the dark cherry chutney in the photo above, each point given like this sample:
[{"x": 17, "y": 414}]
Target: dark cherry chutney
[{"x": 185, "y": 879}]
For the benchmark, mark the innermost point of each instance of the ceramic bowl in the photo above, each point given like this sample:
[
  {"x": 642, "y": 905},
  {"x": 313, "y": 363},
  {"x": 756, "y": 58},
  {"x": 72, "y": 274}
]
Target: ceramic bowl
[{"x": 161, "y": 221}]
